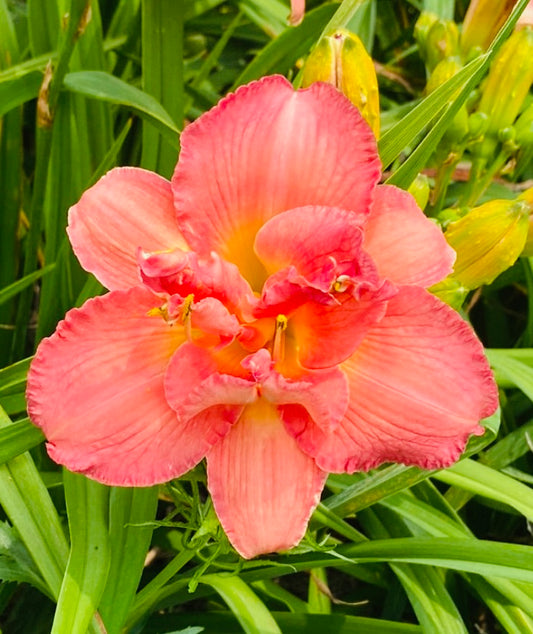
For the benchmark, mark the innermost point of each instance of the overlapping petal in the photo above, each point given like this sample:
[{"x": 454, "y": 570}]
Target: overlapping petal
[
  {"x": 96, "y": 390},
  {"x": 419, "y": 384},
  {"x": 184, "y": 272},
  {"x": 241, "y": 169},
  {"x": 264, "y": 488},
  {"x": 406, "y": 247},
  {"x": 327, "y": 334},
  {"x": 317, "y": 241},
  {"x": 128, "y": 208}
]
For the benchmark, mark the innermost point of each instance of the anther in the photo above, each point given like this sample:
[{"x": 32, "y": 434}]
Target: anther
[
  {"x": 341, "y": 284},
  {"x": 186, "y": 311},
  {"x": 278, "y": 348}
]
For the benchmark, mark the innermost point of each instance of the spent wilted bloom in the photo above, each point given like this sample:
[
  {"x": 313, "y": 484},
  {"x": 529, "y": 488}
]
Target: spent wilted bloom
[{"x": 267, "y": 310}]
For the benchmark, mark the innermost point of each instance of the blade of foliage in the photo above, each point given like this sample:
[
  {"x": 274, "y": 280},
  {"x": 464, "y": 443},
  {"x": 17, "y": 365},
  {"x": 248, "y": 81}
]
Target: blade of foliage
[
  {"x": 46, "y": 110},
  {"x": 442, "y": 8},
  {"x": 281, "y": 54},
  {"x": 483, "y": 480},
  {"x": 31, "y": 511},
  {"x": 129, "y": 509},
  {"x": 15, "y": 92},
  {"x": 17, "y": 438},
  {"x": 409, "y": 127},
  {"x": 88, "y": 563},
  {"x": 13, "y": 377},
  {"x": 224, "y": 623},
  {"x": 106, "y": 87},
  {"x": 269, "y": 15},
  {"x": 162, "y": 64},
  {"x": 14, "y": 289},
  {"x": 15, "y": 561},
  {"x": 348, "y": 13},
  {"x": 405, "y": 175},
  {"x": 250, "y": 611},
  {"x": 516, "y": 369},
  {"x": 431, "y": 601}
]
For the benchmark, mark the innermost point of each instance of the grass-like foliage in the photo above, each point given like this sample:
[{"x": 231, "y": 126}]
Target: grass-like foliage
[{"x": 87, "y": 85}]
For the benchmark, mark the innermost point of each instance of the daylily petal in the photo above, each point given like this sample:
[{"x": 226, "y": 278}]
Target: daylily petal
[
  {"x": 419, "y": 384},
  {"x": 264, "y": 488},
  {"x": 185, "y": 272},
  {"x": 95, "y": 388},
  {"x": 241, "y": 169},
  {"x": 405, "y": 245},
  {"x": 326, "y": 335},
  {"x": 323, "y": 394},
  {"x": 194, "y": 382},
  {"x": 313, "y": 239},
  {"x": 126, "y": 209}
]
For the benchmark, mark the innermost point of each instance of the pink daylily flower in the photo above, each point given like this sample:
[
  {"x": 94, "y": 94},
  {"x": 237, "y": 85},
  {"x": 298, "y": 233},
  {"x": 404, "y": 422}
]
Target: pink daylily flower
[{"x": 268, "y": 311}]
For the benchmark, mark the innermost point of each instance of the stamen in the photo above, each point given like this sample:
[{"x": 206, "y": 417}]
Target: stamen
[
  {"x": 186, "y": 315},
  {"x": 278, "y": 348},
  {"x": 341, "y": 284}
]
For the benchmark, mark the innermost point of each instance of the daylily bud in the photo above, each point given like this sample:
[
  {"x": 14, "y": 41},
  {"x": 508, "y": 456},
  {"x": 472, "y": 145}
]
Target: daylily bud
[
  {"x": 419, "y": 190},
  {"x": 509, "y": 80},
  {"x": 524, "y": 140},
  {"x": 483, "y": 20},
  {"x": 450, "y": 291},
  {"x": 422, "y": 26},
  {"x": 488, "y": 240},
  {"x": 442, "y": 41},
  {"x": 527, "y": 197},
  {"x": 341, "y": 59},
  {"x": 478, "y": 122}
]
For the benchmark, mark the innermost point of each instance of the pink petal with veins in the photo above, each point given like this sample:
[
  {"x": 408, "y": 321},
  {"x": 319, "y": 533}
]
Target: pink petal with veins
[
  {"x": 419, "y": 384},
  {"x": 264, "y": 488},
  {"x": 128, "y": 208},
  {"x": 238, "y": 169},
  {"x": 95, "y": 388},
  {"x": 407, "y": 247}
]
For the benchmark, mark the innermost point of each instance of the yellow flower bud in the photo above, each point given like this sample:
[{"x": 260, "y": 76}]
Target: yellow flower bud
[
  {"x": 527, "y": 197},
  {"x": 509, "y": 80},
  {"x": 483, "y": 20},
  {"x": 488, "y": 240},
  {"x": 341, "y": 59}
]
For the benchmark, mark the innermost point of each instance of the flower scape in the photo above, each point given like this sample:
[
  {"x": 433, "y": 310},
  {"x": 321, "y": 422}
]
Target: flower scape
[{"x": 267, "y": 310}]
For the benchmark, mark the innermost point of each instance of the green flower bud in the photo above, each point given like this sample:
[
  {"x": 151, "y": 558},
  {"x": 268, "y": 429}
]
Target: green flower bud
[
  {"x": 341, "y": 59},
  {"x": 488, "y": 240},
  {"x": 478, "y": 122},
  {"x": 422, "y": 27},
  {"x": 509, "y": 80},
  {"x": 524, "y": 141},
  {"x": 451, "y": 292},
  {"x": 442, "y": 41},
  {"x": 419, "y": 189},
  {"x": 483, "y": 20}
]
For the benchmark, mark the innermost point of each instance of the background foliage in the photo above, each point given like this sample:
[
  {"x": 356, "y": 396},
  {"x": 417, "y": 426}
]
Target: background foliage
[{"x": 85, "y": 86}]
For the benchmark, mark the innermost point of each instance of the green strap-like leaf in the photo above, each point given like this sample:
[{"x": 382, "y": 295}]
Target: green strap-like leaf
[
  {"x": 250, "y": 611},
  {"x": 106, "y": 87},
  {"x": 88, "y": 563}
]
